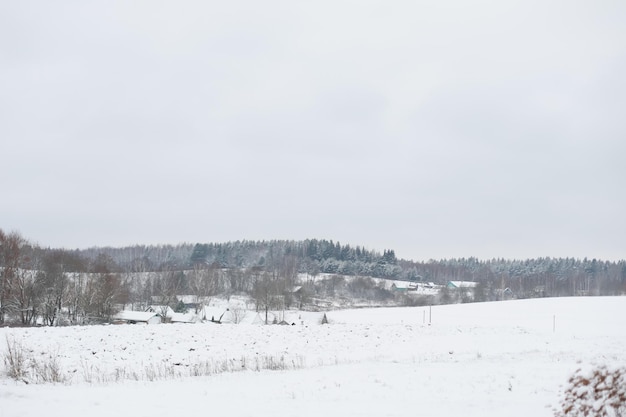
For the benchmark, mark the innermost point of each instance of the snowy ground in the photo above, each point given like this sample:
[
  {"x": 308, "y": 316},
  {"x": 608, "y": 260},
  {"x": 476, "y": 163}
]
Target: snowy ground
[{"x": 485, "y": 359}]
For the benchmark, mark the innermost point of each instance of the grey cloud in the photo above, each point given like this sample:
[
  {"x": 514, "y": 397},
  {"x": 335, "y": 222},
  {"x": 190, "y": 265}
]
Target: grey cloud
[{"x": 439, "y": 129}]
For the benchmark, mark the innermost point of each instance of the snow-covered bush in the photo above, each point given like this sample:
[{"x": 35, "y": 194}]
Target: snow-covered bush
[{"x": 599, "y": 392}]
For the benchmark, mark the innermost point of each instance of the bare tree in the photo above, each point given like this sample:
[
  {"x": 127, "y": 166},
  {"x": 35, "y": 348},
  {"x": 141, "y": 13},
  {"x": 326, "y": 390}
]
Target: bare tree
[
  {"x": 18, "y": 292},
  {"x": 203, "y": 282},
  {"x": 237, "y": 313},
  {"x": 24, "y": 296},
  {"x": 103, "y": 289},
  {"x": 10, "y": 254},
  {"x": 167, "y": 285},
  {"x": 54, "y": 285},
  {"x": 267, "y": 293},
  {"x": 74, "y": 298},
  {"x": 236, "y": 279},
  {"x": 195, "y": 281}
]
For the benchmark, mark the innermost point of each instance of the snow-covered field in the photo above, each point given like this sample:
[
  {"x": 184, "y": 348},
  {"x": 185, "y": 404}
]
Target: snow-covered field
[{"x": 485, "y": 359}]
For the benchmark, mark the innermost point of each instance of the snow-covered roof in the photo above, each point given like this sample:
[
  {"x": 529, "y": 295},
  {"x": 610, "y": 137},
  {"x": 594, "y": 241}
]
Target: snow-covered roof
[
  {"x": 183, "y": 318},
  {"x": 463, "y": 284},
  {"x": 135, "y": 316},
  {"x": 165, "y": 311},
  {"x": 216, "y": 314},
  {"x": 405, "y": 285}
]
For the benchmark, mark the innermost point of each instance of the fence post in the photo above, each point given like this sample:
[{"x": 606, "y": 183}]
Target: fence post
[{"x": 430, "y": 315}]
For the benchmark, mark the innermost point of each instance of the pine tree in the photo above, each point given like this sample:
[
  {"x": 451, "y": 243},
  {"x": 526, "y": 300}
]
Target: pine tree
[{"x": 199, "y": 254}]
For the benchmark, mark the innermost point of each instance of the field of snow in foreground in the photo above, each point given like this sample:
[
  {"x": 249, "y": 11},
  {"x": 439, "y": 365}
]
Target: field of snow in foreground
[{"x": 485, "y": 359}]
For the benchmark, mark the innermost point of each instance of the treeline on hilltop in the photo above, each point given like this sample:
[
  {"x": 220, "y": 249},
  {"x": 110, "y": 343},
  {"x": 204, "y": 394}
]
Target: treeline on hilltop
[
  {"x": 526, "y": 278},
  {"x": 560, "y": 276},
  {"x": 38, "y": 282},
  {"x": 313, "y": 256}
]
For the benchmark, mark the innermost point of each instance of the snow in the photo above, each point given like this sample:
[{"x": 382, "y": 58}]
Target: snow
[{"x": 508, "y": 358}]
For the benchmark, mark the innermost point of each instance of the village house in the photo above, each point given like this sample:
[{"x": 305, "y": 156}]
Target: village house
[
  {"x": 464, "y": 289},
  {"x": 403, "y": 286}
]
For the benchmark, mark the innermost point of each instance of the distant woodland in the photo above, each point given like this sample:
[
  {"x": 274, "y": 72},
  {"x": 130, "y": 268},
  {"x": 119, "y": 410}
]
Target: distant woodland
[{"x": 79, "y": 286}]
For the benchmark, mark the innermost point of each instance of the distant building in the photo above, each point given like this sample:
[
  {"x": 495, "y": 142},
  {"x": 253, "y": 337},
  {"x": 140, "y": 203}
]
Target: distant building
[
  {"x": 464, "y": 289},
  {"x": 403, "y": 286},
  {"x": 137, "y": 317},
  {"x": 461, "y": 284},
  {"x": 504, "y": 294}
]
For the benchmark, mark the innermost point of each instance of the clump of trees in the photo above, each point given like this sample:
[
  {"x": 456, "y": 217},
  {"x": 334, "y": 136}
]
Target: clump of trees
[
  {"x": 44, "y": 283},
  {"x": 52, "y": 286}
]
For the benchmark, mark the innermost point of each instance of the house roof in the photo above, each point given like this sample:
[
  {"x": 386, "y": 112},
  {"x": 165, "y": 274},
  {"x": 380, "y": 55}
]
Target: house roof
[
  {"x": 405, "y": 285},
  {"x": 166, "y": 311},
  {"x": 463, "y": 284}
]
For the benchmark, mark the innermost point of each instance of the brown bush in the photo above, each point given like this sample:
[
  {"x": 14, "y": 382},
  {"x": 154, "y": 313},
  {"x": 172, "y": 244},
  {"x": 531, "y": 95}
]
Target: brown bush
[{"x": 600, "y": 392}]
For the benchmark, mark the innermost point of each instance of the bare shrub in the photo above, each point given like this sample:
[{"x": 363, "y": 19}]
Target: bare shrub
[
  {"x": 22, "y": 365},
  {"x": 48, "y": 369},
  {"x": 237, "y": 314},
  {"x": 90, "y": 372},
  {"x": 15, "y": 360},
  {"x": 274, "y": 363},
  {"x": 600, "y": 392}
]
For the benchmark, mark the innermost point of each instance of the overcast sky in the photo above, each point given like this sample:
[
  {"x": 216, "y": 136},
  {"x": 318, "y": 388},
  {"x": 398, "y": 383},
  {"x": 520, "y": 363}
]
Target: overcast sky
[{"x": 438, "y": 128}]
